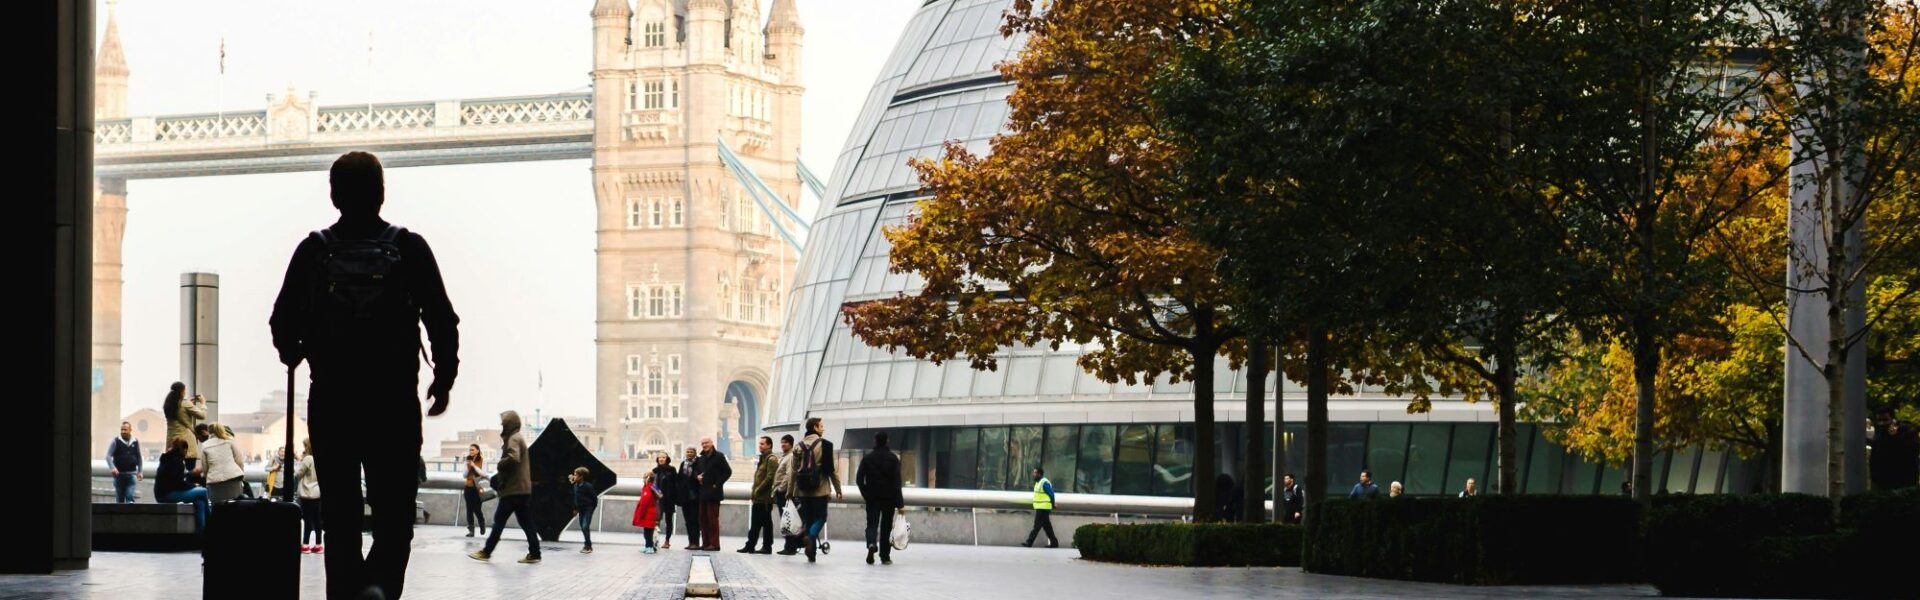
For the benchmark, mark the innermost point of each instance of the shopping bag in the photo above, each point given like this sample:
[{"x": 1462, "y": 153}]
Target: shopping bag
[
  {"x": 790, "y": 519},
  {"x": 901, "y": 528}
]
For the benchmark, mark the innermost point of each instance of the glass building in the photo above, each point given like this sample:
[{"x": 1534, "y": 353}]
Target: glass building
[{"x": 960, "y": 428}]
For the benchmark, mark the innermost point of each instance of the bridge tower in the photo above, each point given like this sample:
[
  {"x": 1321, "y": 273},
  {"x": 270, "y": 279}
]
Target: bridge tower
[
  {"x": 109, "y": 229},
  {"x": 690, "y": 273}
]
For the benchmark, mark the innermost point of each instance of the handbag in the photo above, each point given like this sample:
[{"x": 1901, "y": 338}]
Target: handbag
[{"x": 900, "y": 530}]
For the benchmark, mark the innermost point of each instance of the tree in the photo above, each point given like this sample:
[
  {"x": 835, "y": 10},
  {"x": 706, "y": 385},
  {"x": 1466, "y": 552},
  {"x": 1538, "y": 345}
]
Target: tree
[
  {"x": 1069, "y": 231},
  {"x": 1652, "y": 161},
  {"x": 1848, "y": 90},
  {"x": 1283, "y": 150}
]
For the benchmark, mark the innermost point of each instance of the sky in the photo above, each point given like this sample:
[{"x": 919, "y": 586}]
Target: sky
[{"x": 515, "y": 240}]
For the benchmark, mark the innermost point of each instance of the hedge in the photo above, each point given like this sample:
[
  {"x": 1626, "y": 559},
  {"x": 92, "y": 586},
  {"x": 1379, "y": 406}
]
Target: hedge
[
  {"x": 1783, "y": 545},
  {"x": 1192, "y": 544},
  {"x": 1490, "y": 540}
]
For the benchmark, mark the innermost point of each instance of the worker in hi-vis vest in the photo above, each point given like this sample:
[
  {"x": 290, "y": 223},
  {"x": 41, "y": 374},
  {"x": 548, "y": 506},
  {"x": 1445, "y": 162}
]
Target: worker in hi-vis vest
[{"x": 1042, "y": 509}]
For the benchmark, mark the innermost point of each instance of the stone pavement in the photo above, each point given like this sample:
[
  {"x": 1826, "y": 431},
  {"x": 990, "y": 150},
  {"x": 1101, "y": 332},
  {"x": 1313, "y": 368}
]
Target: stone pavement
[{"x": 617, "y": 571}]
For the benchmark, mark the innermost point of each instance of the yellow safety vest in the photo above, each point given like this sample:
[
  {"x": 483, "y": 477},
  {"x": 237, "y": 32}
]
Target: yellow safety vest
[{"x": 1041, "y": 501}]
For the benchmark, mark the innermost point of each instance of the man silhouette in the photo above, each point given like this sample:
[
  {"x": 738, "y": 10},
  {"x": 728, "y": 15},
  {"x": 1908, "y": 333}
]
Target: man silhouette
[{"x": 352, "y": 305}]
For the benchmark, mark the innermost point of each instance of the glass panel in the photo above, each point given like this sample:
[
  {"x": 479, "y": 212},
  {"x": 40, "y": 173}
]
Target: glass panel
[
  {"x": 1345, "y": 444},
  {"x": 1023, "y": 454},
  {"x": 1680, "y": 473},
  {"x": 1427, "y": 458},
  {"x": 927, "y": 383},
  {"x": 987, "y": 383},
  {"x": 1059, "y": 375},
  {"x": 966, "y": 457},
  {"x": 940, "y": 449},
  {"x": 1612, "y": 477},
  {"x": 1544, "y": 470},
  {"x": 957, "y": 377},
  {"x": 1173, "y": 461},
  {"x": 1472, "y": 450},
  {"x": 993, "y": 458},
  {"x": 1586, "y": 475},
  {"x": 900, "y": 385},
  {"x": 1709, "y": 479},
  {"x": 1387, "y": 453},
  {"x": 1063, "y": 444},
  {"x": 1296, "y": 452},
  {"x": 1094, "y": 474},
  {"x": 1523, "y": 437},
  {"x": 1133, "y": 467}
]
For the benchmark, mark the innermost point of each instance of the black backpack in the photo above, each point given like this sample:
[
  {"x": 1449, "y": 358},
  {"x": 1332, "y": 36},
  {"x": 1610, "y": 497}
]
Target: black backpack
[
  {"x": 361, "y": 281},
  {"x": 808, "y": 475}
]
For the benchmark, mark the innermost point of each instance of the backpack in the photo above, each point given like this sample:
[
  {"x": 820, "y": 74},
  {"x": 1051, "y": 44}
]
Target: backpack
[
  {"x": 361, "y": 281},
  {"x": 808, "y": 475}
]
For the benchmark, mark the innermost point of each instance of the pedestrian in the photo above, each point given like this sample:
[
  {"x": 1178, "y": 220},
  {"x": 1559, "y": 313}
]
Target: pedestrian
[
  {"x": 514, "y": 484},
  {"x": 783, "y": 494},
  {"x": 814, "y": 480},
  {"x": 665, "y": 479},
  {"x": 353, "y": 302},
  {"x": 760, "y": 522},
  {"x": 1365, "y": 490},
  {"x": 646, "y": 512},
  {"x": 1470, "y": 491},
  {"x": 688, "y": 496},
  {"x": 225, "y": 470},
  {"x": 1042, "y": 509},
  {"x": 585, "y": 500},
  {"x": 1895, "y": 460},
  {"x": 1227, "y": 495},
  {"x": 173, "y": 485},
  {"x": 312, "y": 523},
  {"x": 714, "y": 472},
  {"x": 1394, "y": 490},
  {"x": 1293, "y": 499},
  {"x": 476, "y": 474},
  {"x": 273, "y": 466},
  {"x": 123, "y": 461},
  {"x": 182, "y": 415},
  {"x": 879, "y": 481}
]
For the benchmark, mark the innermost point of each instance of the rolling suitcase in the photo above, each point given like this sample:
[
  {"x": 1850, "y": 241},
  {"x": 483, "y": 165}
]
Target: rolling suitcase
[{"x": 255, "y": 540}]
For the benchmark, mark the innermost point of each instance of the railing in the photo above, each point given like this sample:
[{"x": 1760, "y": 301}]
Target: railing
[
  {"x": 1099, "y": 504},
  {"x": 376, "y": 118},
  {"x": 517, "y": 111},
  {"x": 209, "y": 127}
]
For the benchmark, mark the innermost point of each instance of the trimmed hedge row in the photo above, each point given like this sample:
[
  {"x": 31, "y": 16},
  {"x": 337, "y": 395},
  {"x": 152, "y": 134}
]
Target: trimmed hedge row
[
  {"x": 1192, "y": 544},
  {"x": 1490, "y": 540},
  {"x": 1783, "y": 545}
]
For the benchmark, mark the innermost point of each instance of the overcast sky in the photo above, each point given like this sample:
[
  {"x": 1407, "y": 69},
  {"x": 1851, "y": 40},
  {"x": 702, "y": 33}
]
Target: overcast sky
[{"x": 515, "y": 240}]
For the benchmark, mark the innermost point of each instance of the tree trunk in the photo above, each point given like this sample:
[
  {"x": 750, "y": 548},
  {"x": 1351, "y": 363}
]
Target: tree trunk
[
  {"x": 1504, "y": 375},
  {"x": 1317, "y": 387},
  {"x": 1646, "y": 365},
  {"x": 1205, "y": 505},
  {"x": 1255, "y": 471},
  {"x": 1771, "y": 483},
  {"x": 1835, "y": 281}
]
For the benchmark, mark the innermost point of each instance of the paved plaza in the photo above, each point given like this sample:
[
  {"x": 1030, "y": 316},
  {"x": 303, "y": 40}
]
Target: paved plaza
[{"x": 618, "y": 571}]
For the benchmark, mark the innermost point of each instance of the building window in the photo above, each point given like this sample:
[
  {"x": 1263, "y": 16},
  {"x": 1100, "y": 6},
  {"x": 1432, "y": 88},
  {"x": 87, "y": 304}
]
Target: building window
[
  {"x": 654, "y": 410},
  {"x": 656, "y": 94},
  {"x": 673, "y": 363},
  {"x": 676, "y": 214},
  {"x": 634, "y": 212},
  {"x": 655, "y": 213},
  {"x": 656, "y": 385},
  {"x": 633, "y": 364},
  {"x": 633, "y": 95},
  {"x": 726, "y": 297},
  {"x": 656, "y": 35},
  {"x": 673, "y": 407},
  {"x": 657, "y": 302},
  {"x": 673, "y": 93},
  {"x": 673, "y": 386},
  {"x": 745, "y": 301},
  {"x": 633, "y": 387},
  {"x": 675, "y": 292},
  {"x": 636, "y": 300}
]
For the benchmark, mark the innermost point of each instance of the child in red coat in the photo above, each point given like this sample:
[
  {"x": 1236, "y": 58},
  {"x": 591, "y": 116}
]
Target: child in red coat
[{"x": 646, "y": 514}]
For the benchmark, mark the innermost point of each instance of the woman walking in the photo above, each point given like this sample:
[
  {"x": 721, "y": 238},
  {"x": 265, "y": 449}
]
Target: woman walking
[
  {"x": 171, "y": 483},
  {"x": 223, "y": 460},
  {"x": 666, "y": 480},
  {"x": 310, "y": 503},
  {"x": 476, "y": 473}
]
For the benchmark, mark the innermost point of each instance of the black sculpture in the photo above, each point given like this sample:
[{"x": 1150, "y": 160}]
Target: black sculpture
[{"x": 553, "y": 456}]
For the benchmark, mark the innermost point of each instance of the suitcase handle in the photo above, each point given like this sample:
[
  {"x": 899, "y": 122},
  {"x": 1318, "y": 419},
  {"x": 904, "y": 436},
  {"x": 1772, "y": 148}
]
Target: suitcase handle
[{"x": 286, "y": 462}]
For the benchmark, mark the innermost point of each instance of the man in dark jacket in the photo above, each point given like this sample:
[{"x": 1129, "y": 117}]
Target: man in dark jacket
[
  {"x": 688, "y": 483},
  {"x": 354, "y": 299},
  {"x": 1366, "y": 489},
  {"x": 1895, "y": 460},
  {"x": 1293, "y": 500},
  {"x": 879, "y": 480},
  {"x": 761, "y": 521},
  {"x": 714, "y": 472}
]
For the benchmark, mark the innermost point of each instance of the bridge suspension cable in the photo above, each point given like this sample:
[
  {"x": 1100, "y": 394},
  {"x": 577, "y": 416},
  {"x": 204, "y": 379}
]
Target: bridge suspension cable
[{"x": 756, "y": 187}]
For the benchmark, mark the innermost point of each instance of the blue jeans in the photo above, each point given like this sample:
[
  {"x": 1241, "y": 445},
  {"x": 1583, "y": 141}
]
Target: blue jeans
[
  {"x": 813, "y": 513},
  {"x": 198, "y": 496},
  {"x": 586, "y": 533},
  {"x": 124, "y": 488}
]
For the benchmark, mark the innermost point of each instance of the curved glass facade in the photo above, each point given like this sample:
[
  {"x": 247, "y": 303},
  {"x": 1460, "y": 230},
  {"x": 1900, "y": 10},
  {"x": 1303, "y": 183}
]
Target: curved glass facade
[{"x": 963, "y": 428}]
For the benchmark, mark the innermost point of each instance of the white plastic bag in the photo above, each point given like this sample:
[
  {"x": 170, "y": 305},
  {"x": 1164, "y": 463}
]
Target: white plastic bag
[
  {"x": 790, "y": 519},
  {"x": 901, "y": 528}
]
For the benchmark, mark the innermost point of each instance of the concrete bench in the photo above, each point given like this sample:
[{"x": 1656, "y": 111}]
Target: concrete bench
[{"x": 143, "y": 526}]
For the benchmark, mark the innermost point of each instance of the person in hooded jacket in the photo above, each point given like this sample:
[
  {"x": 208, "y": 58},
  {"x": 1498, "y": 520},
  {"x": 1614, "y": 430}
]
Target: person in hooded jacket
[
  {"x": 665, "y": 478},
  {"x": 879, "y": 480},
  {"x": 514, "y": 484}
]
